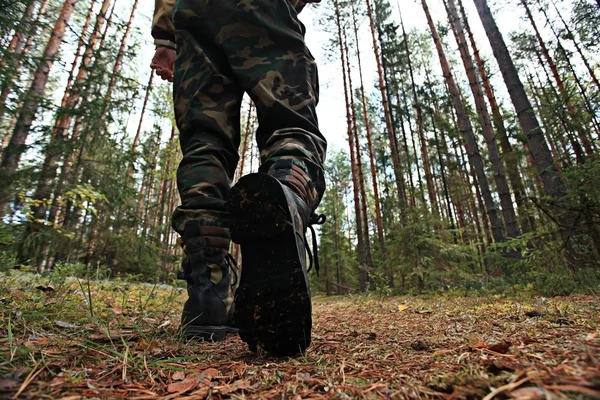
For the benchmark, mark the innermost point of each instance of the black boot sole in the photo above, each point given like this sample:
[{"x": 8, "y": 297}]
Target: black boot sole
[
  {"x": 272, "y": 304},
  {"x": 207, "y": 333}
]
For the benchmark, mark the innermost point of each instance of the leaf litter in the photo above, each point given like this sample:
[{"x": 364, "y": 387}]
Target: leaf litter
[{"x": 125, "y": 343}]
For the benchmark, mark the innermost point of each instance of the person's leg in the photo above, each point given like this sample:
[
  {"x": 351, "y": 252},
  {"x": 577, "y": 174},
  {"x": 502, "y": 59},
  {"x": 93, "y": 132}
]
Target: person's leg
[
  {"x": 207, "y": 108},
  {"x": 264, "y": 44}
]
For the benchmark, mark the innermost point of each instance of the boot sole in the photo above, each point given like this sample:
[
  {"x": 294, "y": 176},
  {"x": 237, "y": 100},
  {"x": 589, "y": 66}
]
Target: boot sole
[
  {"x": 208, "y": 333},
  {"x": 272, "y": 303}
]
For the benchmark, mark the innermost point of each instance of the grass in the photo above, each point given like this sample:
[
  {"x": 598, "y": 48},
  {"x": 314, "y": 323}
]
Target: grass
[{"x": 79, "y": 339}]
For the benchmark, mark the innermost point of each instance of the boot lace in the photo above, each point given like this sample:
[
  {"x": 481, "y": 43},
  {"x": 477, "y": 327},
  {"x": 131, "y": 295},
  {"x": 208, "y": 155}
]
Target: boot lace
[
  {"x": 315, "y": 219},
  {"x": 233, "y": 267}
]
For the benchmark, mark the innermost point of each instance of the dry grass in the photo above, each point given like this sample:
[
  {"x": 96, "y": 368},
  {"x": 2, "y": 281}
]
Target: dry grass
[{"x": 56, "y": 343}]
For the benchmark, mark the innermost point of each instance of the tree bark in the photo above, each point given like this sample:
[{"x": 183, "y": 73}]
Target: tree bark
[
  {"x": 546, "y": 168},
  {"x": 420, "y": 127},
  {"x": 17, "y": 145},
  {"x": 560, "y": 83},
  {"x": 467, "y": 131},
  {"x": 508, "y": 153},
  {"x": 510, "y": 218},
  {"x": 399, "y": 175}
]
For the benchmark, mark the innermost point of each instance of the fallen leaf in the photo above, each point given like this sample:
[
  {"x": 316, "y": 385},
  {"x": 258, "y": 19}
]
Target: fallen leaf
[
  {"x": 501, "y": 348},
  {"x": 591, "y": 336},
  {"x": 402, "y": 308},
  {"x": 442, "y": 352},
  {"x": 242, "y": 384},
  {"x": 117, "y": 310},
  {"x": 480, "y": 345},
  {"x": 65, "y": 325},
  {"x": 178, "y": 376},
  {"x": 528, "y": 393},
  {"x": 211, "y": 372},
  {"x": 18, "y": 293},
  {"x": 188, "y": 384},
  {"x": 8, "y": 384},
  {"x": 303, "y": 376}
]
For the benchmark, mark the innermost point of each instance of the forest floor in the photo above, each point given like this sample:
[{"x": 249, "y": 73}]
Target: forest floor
[{"x": 75, "y": 340}]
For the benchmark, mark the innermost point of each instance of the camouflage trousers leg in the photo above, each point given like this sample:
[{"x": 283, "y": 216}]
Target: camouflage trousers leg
[{"x": 226, "y": 48}]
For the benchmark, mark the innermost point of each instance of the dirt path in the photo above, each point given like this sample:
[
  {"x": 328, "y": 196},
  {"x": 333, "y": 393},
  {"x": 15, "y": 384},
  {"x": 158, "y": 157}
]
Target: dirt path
[{"x": 53, "y": 344}]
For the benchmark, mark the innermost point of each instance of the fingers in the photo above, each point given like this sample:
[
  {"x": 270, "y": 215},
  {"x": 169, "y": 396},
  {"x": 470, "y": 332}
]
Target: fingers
[{"x": 165, "y": 74}]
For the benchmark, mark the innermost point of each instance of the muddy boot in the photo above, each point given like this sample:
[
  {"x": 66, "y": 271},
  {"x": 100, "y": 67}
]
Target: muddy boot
[
  {"x": 210, "y": 274},
  {"x": 273, "y": 305}
]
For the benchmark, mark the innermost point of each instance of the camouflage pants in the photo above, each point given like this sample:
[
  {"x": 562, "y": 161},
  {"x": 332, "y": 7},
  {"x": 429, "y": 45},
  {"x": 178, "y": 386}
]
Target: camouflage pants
[{"x": 227, "y": 48}]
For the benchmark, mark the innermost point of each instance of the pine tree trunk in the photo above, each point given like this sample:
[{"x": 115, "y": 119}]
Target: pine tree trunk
[
  {"x": 74, "y": 166},
  {"x": 510, "y": 218},
  {"x": 55, "y": 148},
  {"x": 582, "y": 91},
  {"x": 466, "y": 130},
  {"x": 546, "y": 168},
  {"x": 118, "y": 63},
  {"x": 508, "y": 154},
  {"x": 399, "y": 175},
  {"x": 16, "y": 147},
  {"x": 560, "y": 83},
  {"x": 138, "y": 132},
  {"x": 15, "y": 49},
  {"x": 349, "y": 115},
  {"x": 364, "y": 275},
  {"x": 420, "y": 126},
  {"x": 378, "y": 217}
]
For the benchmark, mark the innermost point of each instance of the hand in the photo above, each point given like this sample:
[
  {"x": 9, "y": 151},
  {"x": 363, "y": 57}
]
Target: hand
[{"x": 163, "y": 62}]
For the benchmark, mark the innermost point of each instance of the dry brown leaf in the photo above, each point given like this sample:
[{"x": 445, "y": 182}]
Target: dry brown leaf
[
  {"x": 501, "y": 348},
  {"x": 18, "y": 293},
  {"x": 8, "y": 384},
  {"x": 242, "y": 384},
  {"x": 186, "y": 385},
  {"x": 178, "y": 376},
  {"x": 65, "y": 325},
  {"x": 302, "y": 376},
  {"x": 443, "y": 352},
  {"x": 211, "y": 372}
]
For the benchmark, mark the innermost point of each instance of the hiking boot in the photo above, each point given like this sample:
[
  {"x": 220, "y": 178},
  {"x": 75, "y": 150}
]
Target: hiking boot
[
  {"x": 208, "y": 269},
  {"x": 273, "y": 305}
]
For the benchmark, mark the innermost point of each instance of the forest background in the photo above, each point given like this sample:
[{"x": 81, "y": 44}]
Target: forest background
[{"x": 463, "y": 144}]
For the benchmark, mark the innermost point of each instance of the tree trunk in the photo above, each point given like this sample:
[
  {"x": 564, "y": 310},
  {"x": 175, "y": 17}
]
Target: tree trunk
[
  {"x": 508, "y": 154},
  {"x": 510, "y": 218},
  {"x": 546, "y": 168},
  {"x": 467, "y": 131},
  {"x": 560, "y": 83},
  {"x": 364, "y": 275},
  {"x": 17, "y": 146},
  {"x": 399, "y": 175},
  {"x": 55, "y": 149},
  {"x": 420, "y": 126},
  {"x": 15, "y": 52},
  {"x": 378, "y": 217},
  {"x": 344, "y": 55}
]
